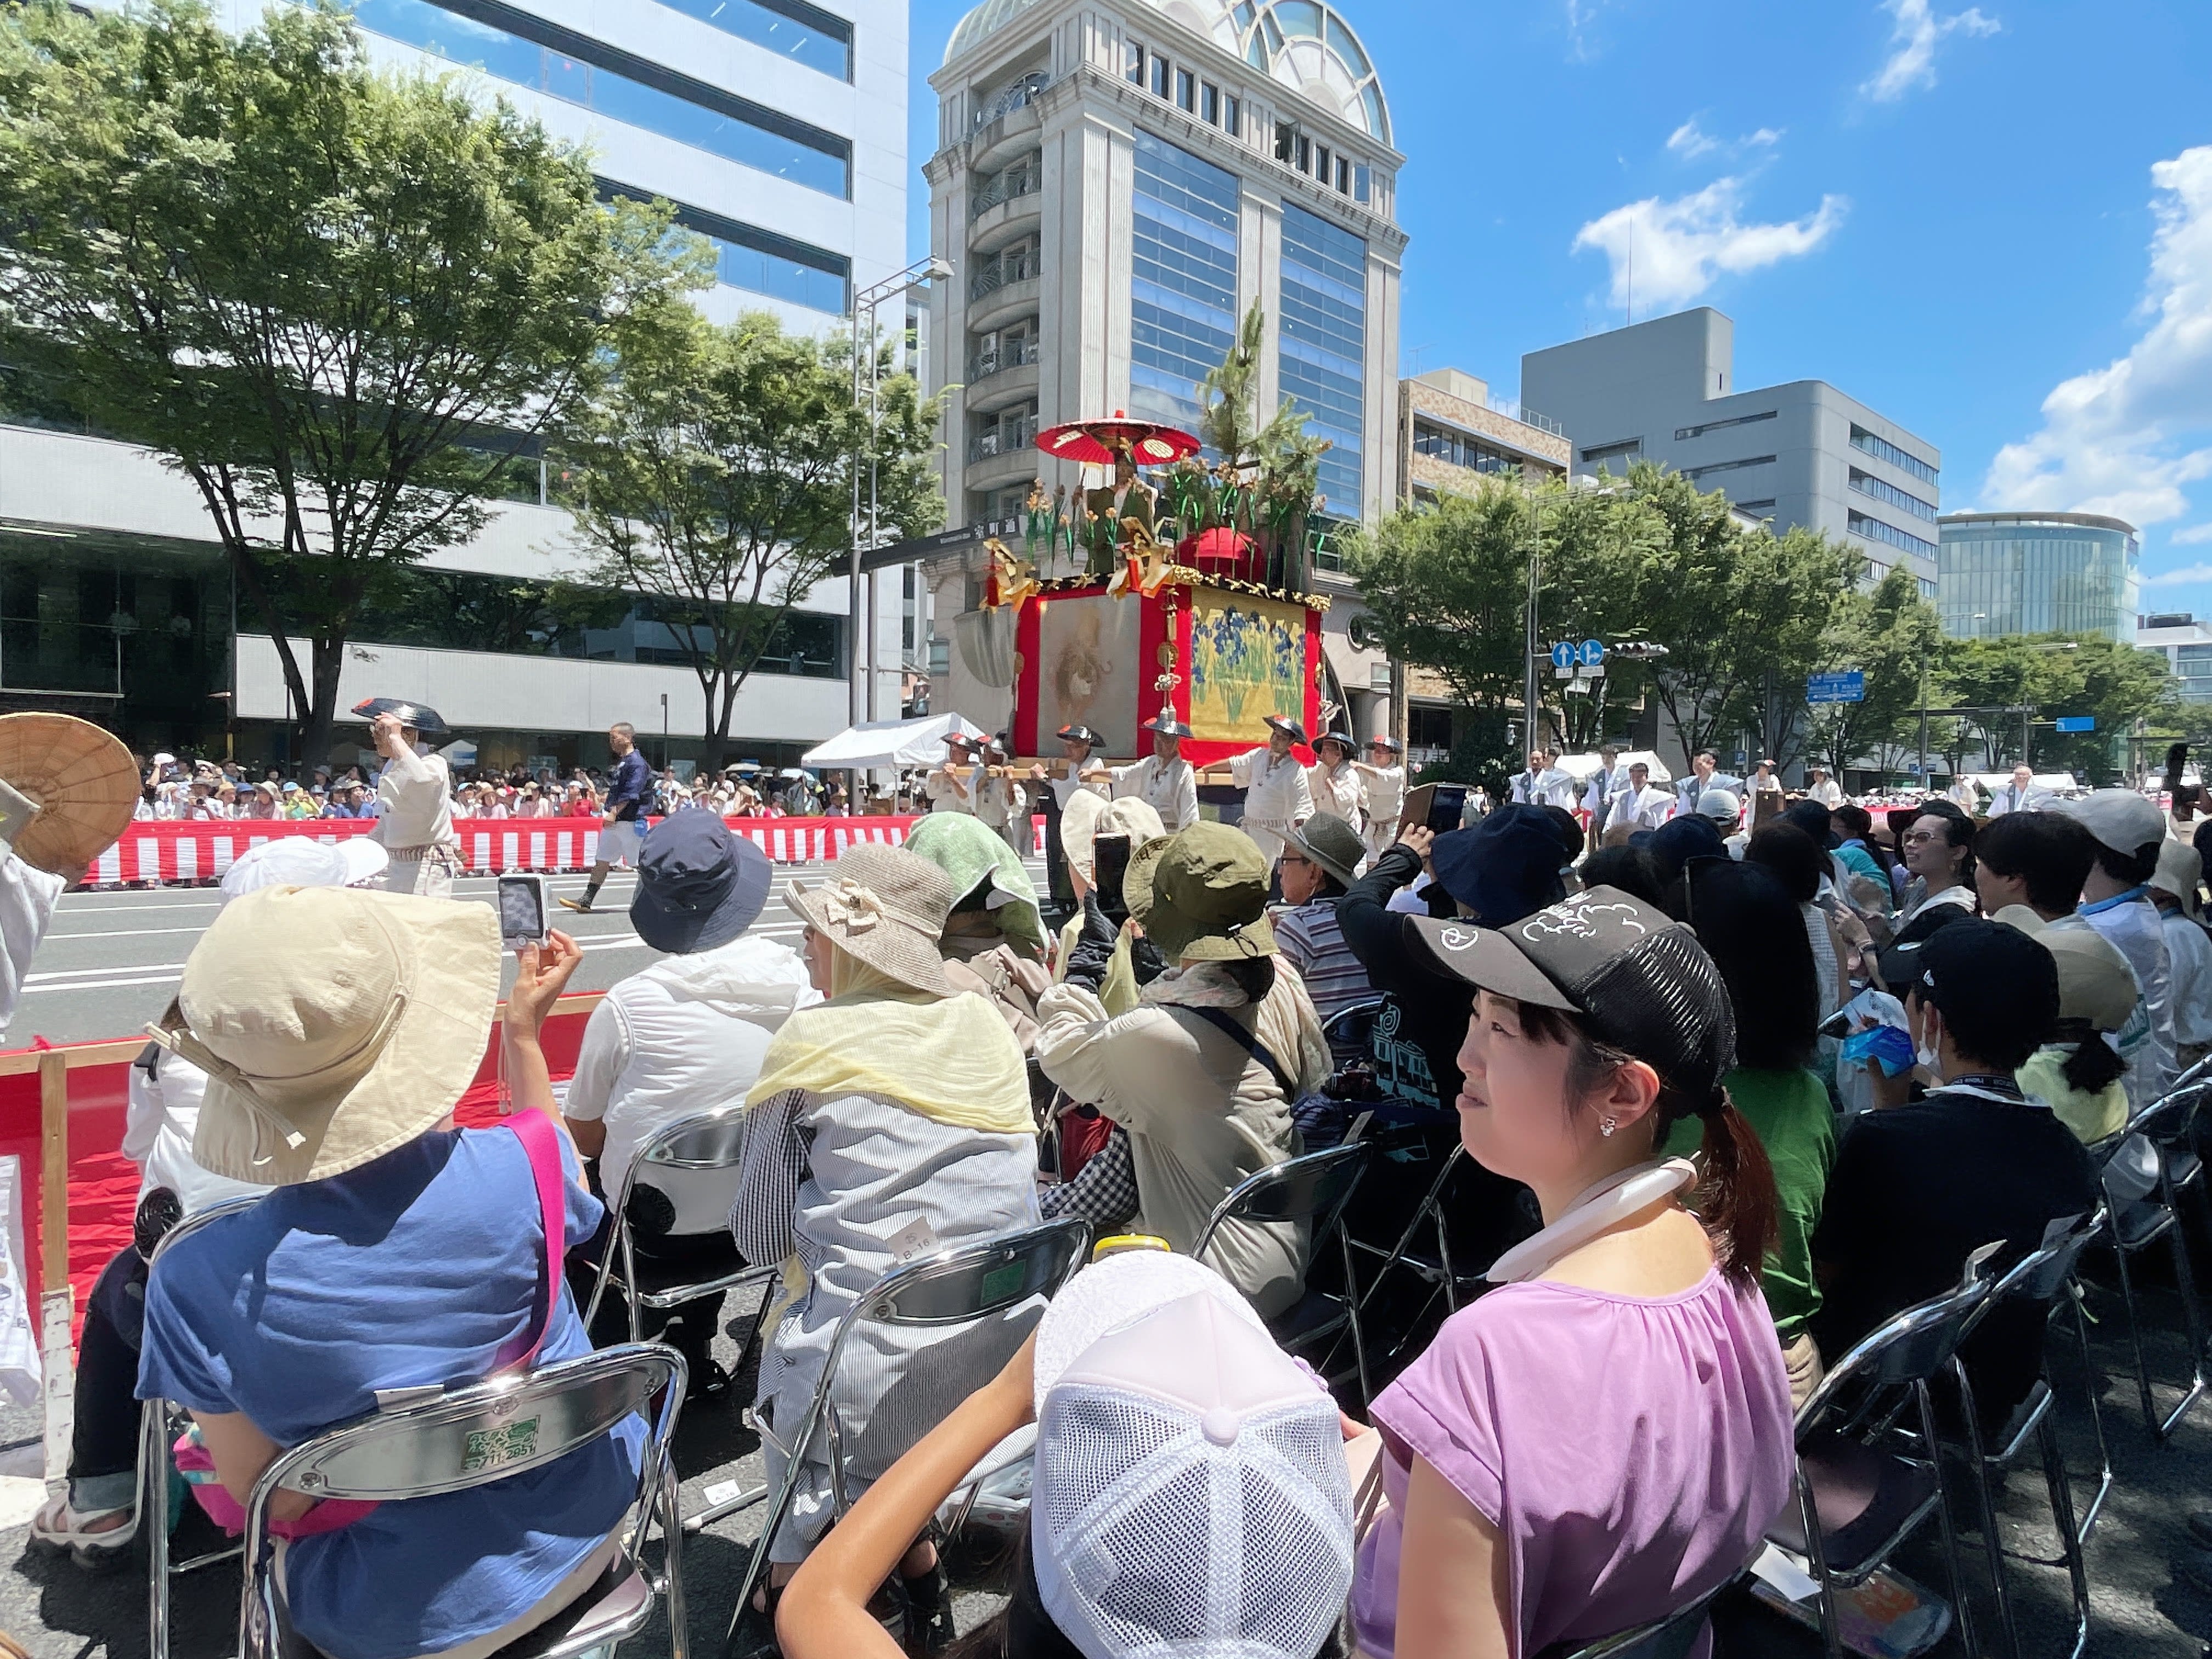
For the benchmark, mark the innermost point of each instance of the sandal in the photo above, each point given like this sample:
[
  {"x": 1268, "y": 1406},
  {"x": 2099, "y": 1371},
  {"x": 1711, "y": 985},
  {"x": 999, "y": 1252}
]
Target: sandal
[
  {"x": 58, "y": 1527},
  {"x": 753, "y": 1636},
  {"x": 929, "y": 1628}
]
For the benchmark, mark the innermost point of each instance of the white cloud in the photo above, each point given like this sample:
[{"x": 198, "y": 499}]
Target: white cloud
[
  {"x": 1670, "y": 253},
  {"x": 2181, "y": 577},
  {"x": 1915, "y": 32},
  {"x": 1690, "y": 141},
  {"x": 2190, "y": 537},
  {"x": 2125, "y": 439}
]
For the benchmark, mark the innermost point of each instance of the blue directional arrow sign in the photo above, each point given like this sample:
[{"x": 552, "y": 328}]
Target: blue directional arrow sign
[
  {"x": 2076, "y": 722},
  {"x": 1562, "y": 655},
  {"x": 1846, "y": 686},
  {"x": 1592, "y": 652}
]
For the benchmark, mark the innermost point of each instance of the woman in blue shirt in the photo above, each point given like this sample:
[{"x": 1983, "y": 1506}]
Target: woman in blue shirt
[{"x": 339, "y": 1027}]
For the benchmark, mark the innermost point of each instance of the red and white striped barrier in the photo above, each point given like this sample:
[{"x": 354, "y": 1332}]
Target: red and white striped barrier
[{"x": 190, "y": 852}]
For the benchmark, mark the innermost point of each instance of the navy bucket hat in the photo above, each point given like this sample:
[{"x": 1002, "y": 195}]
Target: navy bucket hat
[{"x": 698, "y": 885}]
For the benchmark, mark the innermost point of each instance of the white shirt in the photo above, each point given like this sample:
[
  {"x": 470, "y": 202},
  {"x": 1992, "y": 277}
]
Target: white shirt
[
  {"x": 998, "y": 801},
  {"x": 162, "y": 1113},
  {"x": 949, "y": 793},
  {"x": 2132, "y": 926},
  {"x": 1341, "y": 792},
  {"x": 1646, "y": 808},
  {"x": 1827, "y": 792},
  {"x": 413, "y": 801},
  {"x": 1597, "y": 796},
  {"x": 1065, "y": 789},
  {"x": 1550, "y": 787},
  {"x": 1275, "y": 787},
  {"x": 28, "y": 897},
  {"x": 1386, "y": 793},
  {"x": 1170, "y": 788},
  {"x": 684, "y": 1035},
  {"x": 2013, "y": 798},
  {"x": 2189, "y": 960}
]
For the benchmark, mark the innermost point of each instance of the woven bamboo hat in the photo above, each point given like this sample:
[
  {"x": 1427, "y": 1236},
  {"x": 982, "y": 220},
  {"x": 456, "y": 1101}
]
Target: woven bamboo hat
[{"x": 82, "y": 779}]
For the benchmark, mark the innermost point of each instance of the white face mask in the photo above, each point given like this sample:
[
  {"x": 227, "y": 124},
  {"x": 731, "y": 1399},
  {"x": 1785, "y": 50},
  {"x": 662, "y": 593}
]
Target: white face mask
[{"x": 1926, "y": 1055}]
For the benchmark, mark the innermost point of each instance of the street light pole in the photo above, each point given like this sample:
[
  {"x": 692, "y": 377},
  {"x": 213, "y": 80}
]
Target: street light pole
[{"x": 861, "y": 609}]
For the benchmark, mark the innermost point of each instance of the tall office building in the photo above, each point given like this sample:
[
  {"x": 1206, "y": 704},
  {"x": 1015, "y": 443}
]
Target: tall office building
[
  {"x": 1798, "y": 454},
  {"x": 2037, "y": 573},
  {"x": 778, "y": 129},
  {"x": 1117, "y": 181}
]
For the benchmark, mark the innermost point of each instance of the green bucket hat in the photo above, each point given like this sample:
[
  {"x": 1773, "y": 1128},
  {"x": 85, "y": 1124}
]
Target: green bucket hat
[{"x": 1208, "y": 897}]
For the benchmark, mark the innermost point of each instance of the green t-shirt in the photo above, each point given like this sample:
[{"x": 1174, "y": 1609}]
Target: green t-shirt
[{"x": 1790, "y": 1113}]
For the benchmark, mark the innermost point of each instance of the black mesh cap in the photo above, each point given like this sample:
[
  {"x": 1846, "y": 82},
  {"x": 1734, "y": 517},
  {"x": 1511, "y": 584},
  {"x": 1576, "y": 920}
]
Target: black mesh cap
[{"x": 1640, "y": 979}]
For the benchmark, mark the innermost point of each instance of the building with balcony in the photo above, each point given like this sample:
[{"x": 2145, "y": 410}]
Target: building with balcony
[
  {"x": 1798, "y": 454},
  {"x": 1116, "y": 182},
  {"x": 778, "y": 130},
  {"x": 2036, "y": 572}
]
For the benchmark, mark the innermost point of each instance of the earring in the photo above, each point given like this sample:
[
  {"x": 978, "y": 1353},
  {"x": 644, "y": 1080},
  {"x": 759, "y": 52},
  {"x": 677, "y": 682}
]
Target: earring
[{"x": 1607, "y": 1127}]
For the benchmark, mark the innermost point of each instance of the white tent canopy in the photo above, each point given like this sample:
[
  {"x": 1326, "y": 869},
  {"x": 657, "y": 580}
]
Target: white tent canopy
[
  {"x": 1583, "y": 767},
  {"x": 889, "y": 743}
]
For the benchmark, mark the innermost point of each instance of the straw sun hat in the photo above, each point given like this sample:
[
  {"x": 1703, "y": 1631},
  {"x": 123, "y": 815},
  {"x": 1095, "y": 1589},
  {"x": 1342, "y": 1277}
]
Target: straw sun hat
[
  {"x": 83, "y": 780},
  {"x": 884, "y": 906},
  {"x": 335, "y": 1025}
]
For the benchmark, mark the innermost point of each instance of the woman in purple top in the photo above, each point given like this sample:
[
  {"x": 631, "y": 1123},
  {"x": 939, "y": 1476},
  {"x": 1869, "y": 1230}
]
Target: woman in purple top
[{"x": 1607, "y": 1435}]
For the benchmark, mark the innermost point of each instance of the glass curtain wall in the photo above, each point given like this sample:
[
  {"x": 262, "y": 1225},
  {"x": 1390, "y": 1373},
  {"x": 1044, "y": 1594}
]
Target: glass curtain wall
[
  {"x": 1183, "y": 279},
  {"x": 1324, "y": 346},
  {"x": 2002, "y": 579}
]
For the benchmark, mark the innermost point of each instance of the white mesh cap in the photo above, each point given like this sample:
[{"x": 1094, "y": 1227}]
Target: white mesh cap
[{"x": 1191, "y": 1497}]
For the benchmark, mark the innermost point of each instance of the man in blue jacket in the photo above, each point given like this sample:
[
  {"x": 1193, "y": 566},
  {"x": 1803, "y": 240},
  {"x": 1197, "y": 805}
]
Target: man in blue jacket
[{"x": 622, "y": 829}]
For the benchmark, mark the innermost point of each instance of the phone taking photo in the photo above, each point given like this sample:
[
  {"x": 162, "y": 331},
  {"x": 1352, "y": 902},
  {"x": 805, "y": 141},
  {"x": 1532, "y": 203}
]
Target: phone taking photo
[
  {"x": 521, "y": 911},
  {"x": 1110, "y": 863}
]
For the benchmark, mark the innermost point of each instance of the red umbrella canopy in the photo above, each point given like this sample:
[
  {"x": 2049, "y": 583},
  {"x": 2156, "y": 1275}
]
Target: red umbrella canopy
[
  {"x": 1219, "y": 546},
  {"x": 1099, "y": 442}
]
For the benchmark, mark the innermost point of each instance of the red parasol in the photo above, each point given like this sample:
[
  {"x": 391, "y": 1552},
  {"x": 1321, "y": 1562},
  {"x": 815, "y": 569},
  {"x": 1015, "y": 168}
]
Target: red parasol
[
  {"x": 1219, "y": 546},
  {"x": 1099, "y": 442}
]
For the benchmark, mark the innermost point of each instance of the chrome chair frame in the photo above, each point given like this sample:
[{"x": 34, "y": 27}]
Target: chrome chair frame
[
  {"x": 2041, "y": 1276},
  {"x": 447, "y": 1437},
  {"x": 1901, "y": 1355},
  {"x": 1041, "y": 1259},
  {"x": 718, "y": 1131},
  {"x": 2152, "y": 1124},
  {"x": 1316, "y": 1190},
  {"x": 154, "y": 1428}
]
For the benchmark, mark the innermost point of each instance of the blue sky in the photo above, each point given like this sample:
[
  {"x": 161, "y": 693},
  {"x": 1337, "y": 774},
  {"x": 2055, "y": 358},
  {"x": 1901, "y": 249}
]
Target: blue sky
[{"x": 1991, "y": 222}]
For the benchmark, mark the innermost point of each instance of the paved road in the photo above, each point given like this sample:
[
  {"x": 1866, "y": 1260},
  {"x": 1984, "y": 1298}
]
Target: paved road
[{"x": 111, "y": 960}]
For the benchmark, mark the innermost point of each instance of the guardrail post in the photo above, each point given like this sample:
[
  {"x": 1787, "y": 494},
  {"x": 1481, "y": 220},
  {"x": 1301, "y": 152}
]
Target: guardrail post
[{"x": 57, "y": 1306}]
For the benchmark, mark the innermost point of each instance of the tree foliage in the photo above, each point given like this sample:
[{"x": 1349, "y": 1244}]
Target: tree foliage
[
  {"x": 2057, "y": 675},
  {"x": 1889, "y": 634},
  {"x": 715, "y": 474},
  {"x": 340, "y": 300}
]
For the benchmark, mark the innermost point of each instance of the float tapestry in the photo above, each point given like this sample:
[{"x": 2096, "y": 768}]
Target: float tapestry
[
  {"x": 1247, "y": 660},
  {"x": 1088, "y": 646}
]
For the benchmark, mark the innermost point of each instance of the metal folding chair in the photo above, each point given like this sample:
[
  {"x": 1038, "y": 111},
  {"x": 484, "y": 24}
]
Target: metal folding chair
[
  {"x": 955, "y": 1286},
  {"x": 2039, "y": 1278},
  {"x": 157, "y": 1428},
  {"x": 1347, "y": 1030},
  {"x": 1671, "y": 1638},
  {"x": 482, "y": 1432},
  {"x": 1314, "y": 1190},
  {"x": 1857, "y": 1501},
  {"x": 712, "y": 1140},
  {"x": 2160, "y": 1134}
]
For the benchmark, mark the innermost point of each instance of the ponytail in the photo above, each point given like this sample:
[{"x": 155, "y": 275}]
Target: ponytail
[{"x": 1735, "y": 1196}]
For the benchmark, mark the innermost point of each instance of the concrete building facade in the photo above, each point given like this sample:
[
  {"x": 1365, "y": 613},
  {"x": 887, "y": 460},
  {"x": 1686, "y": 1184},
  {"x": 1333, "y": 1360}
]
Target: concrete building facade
[
  {"x": 1798, "y": 454},
  {"x": 2037, "y": 573},
  {"x": 1117, "y": 182},
  {"x": 778, "y": 130},
  {"x": 2185, "y": 642}
]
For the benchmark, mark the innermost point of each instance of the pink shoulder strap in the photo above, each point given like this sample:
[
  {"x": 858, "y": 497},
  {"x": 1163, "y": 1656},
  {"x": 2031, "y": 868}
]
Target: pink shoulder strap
[{"x": 541, "y": 1144}]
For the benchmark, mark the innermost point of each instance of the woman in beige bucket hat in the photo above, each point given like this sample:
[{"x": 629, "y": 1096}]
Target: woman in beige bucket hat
[
  {"x": 338, "y": 1029},
  {"x": 889, "y": 1122}
]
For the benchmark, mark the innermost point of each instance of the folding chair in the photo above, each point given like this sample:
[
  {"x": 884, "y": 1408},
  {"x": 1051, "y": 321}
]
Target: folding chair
[
  {"x": 2158, "y": 1136},
  {"x": 1314, "y": 1190},
  {"x": 157, "y": 1430},
  {"x": 1671, "y": 1638},
  {"x": 1433, "y": 1266},
  {"x": 955, "y": 1286},
  {"x": 2039, "y": 1278},
  {"x": 1347, "y": 1030},
  {"x": 712, "y": 1140},
  {"x": 1857, "y": 1502},
  {"x": 483, "y": 1432}
]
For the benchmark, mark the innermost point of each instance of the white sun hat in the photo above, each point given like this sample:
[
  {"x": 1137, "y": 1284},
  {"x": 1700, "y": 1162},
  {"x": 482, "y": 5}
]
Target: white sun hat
[
  {"x": 1191, "y": 1496},
  {"x": 303, "y": 862}
]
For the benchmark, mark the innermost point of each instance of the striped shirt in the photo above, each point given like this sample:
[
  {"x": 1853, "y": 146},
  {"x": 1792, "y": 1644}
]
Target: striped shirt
[{"x": 1312, "y": 941}]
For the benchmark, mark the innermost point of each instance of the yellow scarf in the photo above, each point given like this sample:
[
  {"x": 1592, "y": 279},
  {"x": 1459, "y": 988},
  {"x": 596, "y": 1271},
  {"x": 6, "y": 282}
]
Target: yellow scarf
[{"x": 950, "y": 1059}]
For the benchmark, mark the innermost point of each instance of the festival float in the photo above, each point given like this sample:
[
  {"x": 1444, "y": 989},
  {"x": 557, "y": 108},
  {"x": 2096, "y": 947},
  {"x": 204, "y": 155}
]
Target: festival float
[{"x": 1183, "y": 594}]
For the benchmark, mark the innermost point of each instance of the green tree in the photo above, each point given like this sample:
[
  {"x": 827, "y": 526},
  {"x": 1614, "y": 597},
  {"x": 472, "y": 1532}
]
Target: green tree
[
  {"x": 339, "y": 300},
  {"x": 1277, "y": 461},
  {"x": 1888, "y": 633},
  {"x": 2057, "y": 675},
  {"x": 714, "y": 473}
]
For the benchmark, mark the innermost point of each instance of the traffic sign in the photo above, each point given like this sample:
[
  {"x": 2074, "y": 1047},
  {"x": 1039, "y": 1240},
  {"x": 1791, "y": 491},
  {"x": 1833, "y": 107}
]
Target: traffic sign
[
  {"x": 1562, "y": 655},
  {"x": 1592, "y": 652},
  {"x": 2076, "y": 722},
  {"x": 1845, "y": 686}
]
